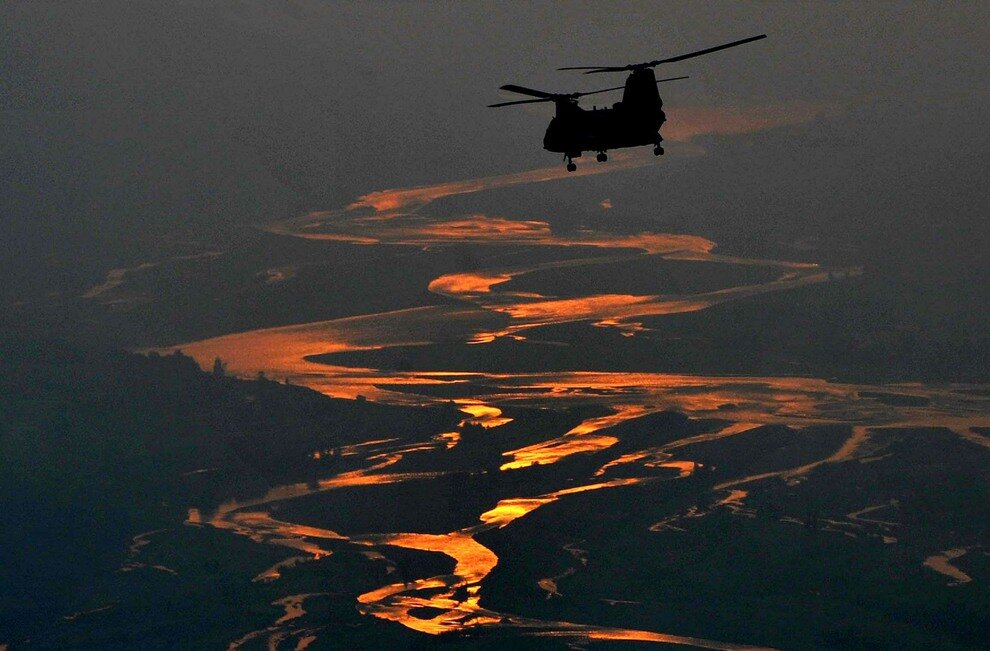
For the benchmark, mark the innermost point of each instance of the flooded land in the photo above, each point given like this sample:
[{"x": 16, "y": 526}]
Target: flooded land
[
  {"x": 520, "y": 454},
  {"x": 306, "y": 344}
]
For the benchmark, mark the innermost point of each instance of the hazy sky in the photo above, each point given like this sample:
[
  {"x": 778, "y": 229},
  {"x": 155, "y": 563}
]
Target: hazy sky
[{"x": 129, "y": 119}]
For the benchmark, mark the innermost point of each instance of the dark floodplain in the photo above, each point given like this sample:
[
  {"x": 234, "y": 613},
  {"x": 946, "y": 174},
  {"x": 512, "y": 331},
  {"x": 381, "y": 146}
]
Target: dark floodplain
[
  {"x": 528, "y": 456},
  {"x": 286, "y": 367}
]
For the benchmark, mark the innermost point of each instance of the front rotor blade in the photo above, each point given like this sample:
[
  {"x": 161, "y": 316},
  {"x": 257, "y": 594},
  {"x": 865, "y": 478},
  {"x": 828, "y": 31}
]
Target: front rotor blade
[
  {"x": 590, "y": 70},
  {"x": 521, "y": 101},
  {"x": 563, "y": 96},
  {"x": 707, "y": 51},
  {"x": 522, "y": 90}
]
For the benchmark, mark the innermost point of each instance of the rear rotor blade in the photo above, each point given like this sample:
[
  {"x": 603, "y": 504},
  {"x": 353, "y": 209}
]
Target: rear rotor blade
[{"x": 557, "y": 97}]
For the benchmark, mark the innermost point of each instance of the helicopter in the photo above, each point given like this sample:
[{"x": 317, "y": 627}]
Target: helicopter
[{"x": 634, "y": 121}]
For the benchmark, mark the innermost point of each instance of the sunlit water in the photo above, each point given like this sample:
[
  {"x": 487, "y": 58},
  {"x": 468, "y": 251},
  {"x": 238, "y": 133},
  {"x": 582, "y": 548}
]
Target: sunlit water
[{"x": 483, "y": 314}]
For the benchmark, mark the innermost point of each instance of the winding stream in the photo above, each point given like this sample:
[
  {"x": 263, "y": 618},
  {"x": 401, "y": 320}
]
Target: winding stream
[{"x": 483, "y": 314}]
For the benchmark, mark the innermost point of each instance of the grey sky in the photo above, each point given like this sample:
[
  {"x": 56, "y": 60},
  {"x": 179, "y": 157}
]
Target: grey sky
[{"x": 124, "y": 119}]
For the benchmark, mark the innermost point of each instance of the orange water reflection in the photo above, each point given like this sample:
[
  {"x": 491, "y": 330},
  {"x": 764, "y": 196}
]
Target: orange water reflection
[
  {"x": 481, "y": 414},
  {"x": 405, "y": 198},
  {"x": 942, "y": 563},
  {"x": 484, "y": 314},
  {"x": 473, "y": 562},
  {"x": 454, "y": 598},
  {"x": 580, "y": 439},
  {"x": 509, "y": 510},
  {"x": 659, "y": 457},
  {"x": 687, "y": 122},
  {"x": 647, "y": 636}
]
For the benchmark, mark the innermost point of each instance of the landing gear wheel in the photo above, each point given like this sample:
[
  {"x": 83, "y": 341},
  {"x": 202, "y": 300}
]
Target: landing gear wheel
[
  {"x": 658, "y": 151},
  {"x": 602, "y": 157},
  {"x": 571, "y": 167}
]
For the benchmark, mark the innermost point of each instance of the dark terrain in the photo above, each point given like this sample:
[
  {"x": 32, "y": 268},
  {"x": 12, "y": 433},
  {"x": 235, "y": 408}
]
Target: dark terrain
[{"x": 104, "y": 443}]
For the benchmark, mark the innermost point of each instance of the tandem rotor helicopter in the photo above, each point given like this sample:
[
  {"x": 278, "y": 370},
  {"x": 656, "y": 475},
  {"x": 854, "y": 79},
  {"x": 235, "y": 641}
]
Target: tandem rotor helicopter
[{"x": 633, "y": 122}]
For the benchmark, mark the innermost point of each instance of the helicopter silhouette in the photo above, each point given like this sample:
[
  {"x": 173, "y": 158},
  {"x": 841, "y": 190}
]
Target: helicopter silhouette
[{"x": 633, "y": 122}]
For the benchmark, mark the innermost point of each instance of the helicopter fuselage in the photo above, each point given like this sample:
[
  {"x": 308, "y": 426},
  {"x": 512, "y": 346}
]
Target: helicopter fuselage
[{"x": 632, "y": 122}]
